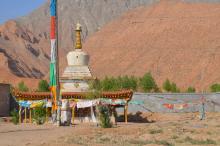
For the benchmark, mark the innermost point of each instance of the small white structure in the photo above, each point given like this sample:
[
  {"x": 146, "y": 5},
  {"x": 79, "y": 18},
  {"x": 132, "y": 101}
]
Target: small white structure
[
  {"x": 77, "y": 74},
  {"x": 65, "y": 113}
]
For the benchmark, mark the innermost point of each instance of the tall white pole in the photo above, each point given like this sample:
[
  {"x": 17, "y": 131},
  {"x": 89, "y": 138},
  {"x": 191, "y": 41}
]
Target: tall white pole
[{"x": 57, "y": 67}]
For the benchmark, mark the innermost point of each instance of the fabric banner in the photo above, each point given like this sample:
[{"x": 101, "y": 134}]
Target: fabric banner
[
  {"x": 85, "y": 104},
  {"x": 53, "y": 51},
  {"x": 118, "y": 102},
  {"x": 53, "y": 81},
  {"x": 36, "y": 104},
  {"x": 32, "y": 104},
  {"x": 53, "y": 7},
  {"x": 72, "y": 104},
  {"x": 25, "y": 104},
  {"x": 49, "y": 103}
]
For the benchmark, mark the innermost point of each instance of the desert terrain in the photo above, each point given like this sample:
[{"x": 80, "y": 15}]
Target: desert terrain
[
  {"x": 157, "y": 129},
  {"x": 173, "y": 39}
]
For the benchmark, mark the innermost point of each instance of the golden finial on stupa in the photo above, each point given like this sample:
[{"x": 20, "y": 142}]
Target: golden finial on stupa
[{"x": 78, "y": 44}]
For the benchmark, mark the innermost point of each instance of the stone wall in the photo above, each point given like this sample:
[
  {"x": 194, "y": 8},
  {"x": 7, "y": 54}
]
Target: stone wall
[
  {"x": 154, "y": 102},
  {"x": 4, "y": 100}
]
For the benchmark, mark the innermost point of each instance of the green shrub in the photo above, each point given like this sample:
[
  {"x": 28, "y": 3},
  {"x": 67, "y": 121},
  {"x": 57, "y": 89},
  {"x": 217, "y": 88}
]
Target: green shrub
[
  {"x": 110, "y": 84},
  {"x": 167, "y": 85},
  {"x": 39, "y": 115},
  {"x": 191, "y": 90},
  {"x": 174, "y": 88},
  {"x": 104, "y": 117},
  {"x": 95, "y": 85},
  {"x": 215, "y": 88},
  {"x": 128, "y": 82},
  {"x": 22, "y": 87},
  {"x": 15, "y": 116},
  {"x": 170, "y": 86},
  {"x": 43, "y": 86},
  {"x": 147, "y": 83}
]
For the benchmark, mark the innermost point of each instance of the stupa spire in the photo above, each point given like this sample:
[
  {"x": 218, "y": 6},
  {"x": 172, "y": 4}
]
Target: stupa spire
[{"x": 78, "y": 30}]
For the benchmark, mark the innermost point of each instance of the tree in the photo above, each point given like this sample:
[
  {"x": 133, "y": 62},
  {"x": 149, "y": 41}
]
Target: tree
[
  {"x": 167, "y": 86},
  {"x": 43, "y": 86},
  {"x": 215, "y": 88},
  {"x": 110, "y": 84},
  {"x": 170, "y": 86},
  {"x": 127, "y": 82},
  {"x": 22, "y": 87},
  {"x": 147, "y": 83},
  {"x": 174, "y": 88},
  {"x": 191, "y": 90},
  {"x": 133, "y": 83},
  {"x": 95, "y": 85}
]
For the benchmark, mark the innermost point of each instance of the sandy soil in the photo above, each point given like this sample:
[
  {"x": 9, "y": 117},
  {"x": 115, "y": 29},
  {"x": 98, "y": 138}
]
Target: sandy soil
[{"x": 167, "y": 129}]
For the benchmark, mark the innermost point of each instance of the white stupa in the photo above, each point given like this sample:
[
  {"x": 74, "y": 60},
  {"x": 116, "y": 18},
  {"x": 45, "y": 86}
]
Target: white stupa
[{"x": 77, "y": 74}]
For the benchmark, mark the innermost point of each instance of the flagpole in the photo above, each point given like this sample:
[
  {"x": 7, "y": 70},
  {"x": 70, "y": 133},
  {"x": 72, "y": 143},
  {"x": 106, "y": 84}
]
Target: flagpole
[{"x": 57, "y": 66}]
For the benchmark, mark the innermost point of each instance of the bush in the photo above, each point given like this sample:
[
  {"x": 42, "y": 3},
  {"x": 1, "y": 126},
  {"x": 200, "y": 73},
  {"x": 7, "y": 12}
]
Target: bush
[
  {"x": 15, "y": 116},
  {"x": 215, "y": 88},
  {"x": 170, "y": 86},
  {"x": 147, "y": 83},
  {"x": 167, "y": 85},
  {"x": 191, "y": 90},
  {"x": 174, "y": 88},
  {"x": 104, "y": 117},
  {"x": 39, "y": 115},
  {"x": 109, "y": 84},
  {"x": 127, "y": 82},
  {"x": 22, "y": 87},
  {"x": 95, "y": 85},
  {"x": 43, "y": 86}
]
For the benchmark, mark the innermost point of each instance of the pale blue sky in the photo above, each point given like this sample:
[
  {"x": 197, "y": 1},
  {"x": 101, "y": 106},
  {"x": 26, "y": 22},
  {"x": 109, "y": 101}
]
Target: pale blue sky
[{"x": 11, "y": 9}]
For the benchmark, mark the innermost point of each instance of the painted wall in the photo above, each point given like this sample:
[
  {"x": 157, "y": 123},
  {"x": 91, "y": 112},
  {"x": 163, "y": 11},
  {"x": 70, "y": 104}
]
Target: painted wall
[{"x": 154, "y": 102}]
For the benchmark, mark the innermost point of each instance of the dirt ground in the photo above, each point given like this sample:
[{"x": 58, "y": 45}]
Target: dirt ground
[{"x": 158, "y": 129}]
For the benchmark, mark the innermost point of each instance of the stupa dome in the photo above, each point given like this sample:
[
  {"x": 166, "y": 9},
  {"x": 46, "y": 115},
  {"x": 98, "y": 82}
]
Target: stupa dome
[{"x": 77, "y": 58}]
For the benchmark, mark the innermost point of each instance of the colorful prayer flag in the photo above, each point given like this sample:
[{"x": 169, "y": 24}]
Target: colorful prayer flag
[{"x": 53, "y": 82}]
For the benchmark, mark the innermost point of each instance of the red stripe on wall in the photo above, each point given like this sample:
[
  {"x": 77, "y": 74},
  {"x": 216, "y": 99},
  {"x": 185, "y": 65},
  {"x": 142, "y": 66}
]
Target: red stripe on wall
[{"x": 53, "y": 27}]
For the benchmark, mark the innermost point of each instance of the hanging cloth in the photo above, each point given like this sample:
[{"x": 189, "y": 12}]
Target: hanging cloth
[
  {"x": 118, "y": 102},
  {"x": 39, "y": 103},
  {"x": 25, "y": 104},
  {"x": 49, "y": 103},
  {"x": 93, "y": 115},
  {"x": 84, "y": 104}
]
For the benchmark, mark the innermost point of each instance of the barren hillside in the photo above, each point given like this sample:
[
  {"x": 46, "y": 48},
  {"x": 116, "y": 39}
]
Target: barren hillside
[
  {"x": 172, "y": 39},
  {"x": 25, "y": 42}
]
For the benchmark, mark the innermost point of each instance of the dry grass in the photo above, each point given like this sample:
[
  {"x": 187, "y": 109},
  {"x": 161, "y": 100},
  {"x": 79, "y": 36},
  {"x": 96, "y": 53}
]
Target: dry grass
[{"x": 167, "y": 131}]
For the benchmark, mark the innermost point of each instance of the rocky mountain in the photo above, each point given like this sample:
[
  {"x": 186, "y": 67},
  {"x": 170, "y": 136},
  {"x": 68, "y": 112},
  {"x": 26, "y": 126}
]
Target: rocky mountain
[
  {"x": 25, "y": 42},
  {"x": 171, "y": 39}
]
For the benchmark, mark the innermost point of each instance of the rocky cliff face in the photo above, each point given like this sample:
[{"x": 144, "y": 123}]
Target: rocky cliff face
[{"x": 25, "y": 42}]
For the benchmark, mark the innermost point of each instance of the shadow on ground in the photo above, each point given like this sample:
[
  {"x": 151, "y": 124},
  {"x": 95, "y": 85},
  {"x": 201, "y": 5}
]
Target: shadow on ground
[{"x": 136, "y": 118}]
